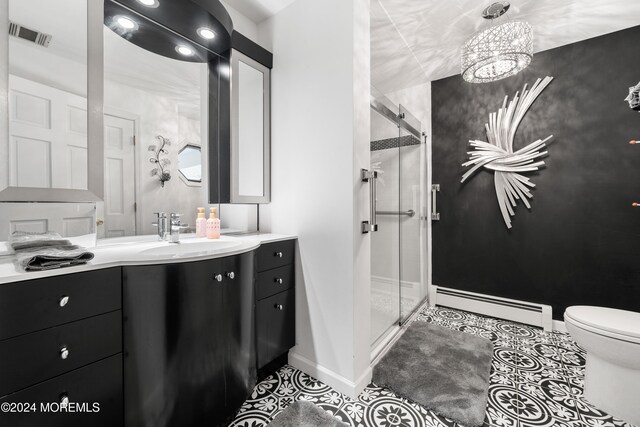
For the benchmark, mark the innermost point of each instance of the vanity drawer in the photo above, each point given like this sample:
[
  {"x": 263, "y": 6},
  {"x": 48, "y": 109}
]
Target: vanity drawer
[
  {"x": 271, "y": 282},
  {"x": 100, "y": 383},
  {"x": 37, "y": 304},
  {"x": 38, "y": 356},
  {"x": 277, "y": 254},
  {"x": 275, "y": 326}
]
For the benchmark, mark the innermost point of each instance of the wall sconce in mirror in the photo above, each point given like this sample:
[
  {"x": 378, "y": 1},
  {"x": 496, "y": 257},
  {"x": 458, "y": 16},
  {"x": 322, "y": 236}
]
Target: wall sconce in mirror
[
  {"x": 498, "y": 156},
  {"x": 162, "y": 163},
  {"x": 190, "y": 164},
  {"x": 634, "y": 97}
]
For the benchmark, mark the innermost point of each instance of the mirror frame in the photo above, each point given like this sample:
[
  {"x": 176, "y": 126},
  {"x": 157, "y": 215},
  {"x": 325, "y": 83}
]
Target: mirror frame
[
  {"x": 95, "y": 122},
  {"x": 236, "y": 197}
]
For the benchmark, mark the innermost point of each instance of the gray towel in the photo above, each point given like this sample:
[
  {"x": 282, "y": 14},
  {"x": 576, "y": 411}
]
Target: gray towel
[{"x": 46, "y": 251}]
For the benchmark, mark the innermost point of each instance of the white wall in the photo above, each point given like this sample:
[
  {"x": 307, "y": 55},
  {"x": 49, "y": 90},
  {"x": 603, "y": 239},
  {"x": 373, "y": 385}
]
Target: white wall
[
  {"x": 320, "y": 141},
  {"x": 241, "y": 23}
]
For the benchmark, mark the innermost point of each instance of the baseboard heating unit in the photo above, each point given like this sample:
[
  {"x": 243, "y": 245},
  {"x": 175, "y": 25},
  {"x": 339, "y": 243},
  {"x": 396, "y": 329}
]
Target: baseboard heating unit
[{"x": 502, "y": 308}]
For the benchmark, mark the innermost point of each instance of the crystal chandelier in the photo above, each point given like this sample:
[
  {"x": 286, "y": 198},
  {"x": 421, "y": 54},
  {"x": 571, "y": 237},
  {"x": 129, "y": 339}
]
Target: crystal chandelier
[{"x": 499, "y": 51}]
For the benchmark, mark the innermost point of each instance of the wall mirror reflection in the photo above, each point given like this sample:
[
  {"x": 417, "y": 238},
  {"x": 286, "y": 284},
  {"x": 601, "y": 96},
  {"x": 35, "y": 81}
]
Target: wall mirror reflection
[
  {"x": 155, "y": 122},
  {"x": 47, "y": 91}
]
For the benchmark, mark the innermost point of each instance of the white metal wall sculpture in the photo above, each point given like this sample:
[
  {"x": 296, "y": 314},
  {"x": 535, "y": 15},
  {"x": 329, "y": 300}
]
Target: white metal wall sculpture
[{"x": 498, "y": 155}]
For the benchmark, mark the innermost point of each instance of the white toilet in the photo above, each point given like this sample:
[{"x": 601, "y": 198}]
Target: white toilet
[{"x": 611, "y": 339}]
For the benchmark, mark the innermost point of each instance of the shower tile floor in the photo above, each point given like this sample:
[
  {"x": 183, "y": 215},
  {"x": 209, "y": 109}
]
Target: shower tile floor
[{"x": 537, "y": 379}]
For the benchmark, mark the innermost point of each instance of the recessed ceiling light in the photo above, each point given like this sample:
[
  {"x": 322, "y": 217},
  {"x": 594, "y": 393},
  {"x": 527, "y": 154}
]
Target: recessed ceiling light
[
  {"x": 126, "y": 23},
  {"x": 184, "y": 50},
  {"x": 206, "y": 33},
  {"x": 149, "y": 3}
]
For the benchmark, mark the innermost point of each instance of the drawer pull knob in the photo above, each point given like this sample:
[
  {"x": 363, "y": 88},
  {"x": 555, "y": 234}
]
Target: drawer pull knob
[
  {"x": 64, "y": 353},
  {"x": 231, "y": 275},
  {"x": 278, "y": 254},
  {"x": 217, "y": 277},
  {"x": 64, "y": 400},
  {"x": 278, "y": 281},
  {"x": 279, "y": 307},
  {"x": 63, "y": 301}
]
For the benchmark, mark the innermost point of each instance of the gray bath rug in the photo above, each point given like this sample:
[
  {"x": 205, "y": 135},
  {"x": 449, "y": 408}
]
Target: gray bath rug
[
  {"x": 441, "y": 369},
  {"x": 305, "y": 414}
]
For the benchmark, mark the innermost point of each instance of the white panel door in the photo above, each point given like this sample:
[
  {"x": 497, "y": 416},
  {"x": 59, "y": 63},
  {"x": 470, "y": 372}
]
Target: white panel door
[
  {"x": 48, "y": 136},
  {"x": 67, "y": 219},
  {"x": 119, "y": 177}
]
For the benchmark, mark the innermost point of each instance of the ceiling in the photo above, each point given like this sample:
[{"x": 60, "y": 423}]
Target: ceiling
[
  {"x": 68, "y": 38},
  {"x": 417, "y": 41},
  {"x": 259, "y": 10}
]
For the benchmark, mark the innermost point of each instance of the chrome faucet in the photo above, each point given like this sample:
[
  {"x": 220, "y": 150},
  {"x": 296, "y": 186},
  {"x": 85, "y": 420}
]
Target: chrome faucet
[
  {"x": 169, "y": 226},
  {"x": 175, "y": 227},
  {"x": 162, "y": 225}
]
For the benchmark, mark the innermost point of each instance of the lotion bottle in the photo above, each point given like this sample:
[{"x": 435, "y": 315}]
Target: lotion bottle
[
  {"x": 201, "y": 224},
  {"x": 213, "y": 224}
]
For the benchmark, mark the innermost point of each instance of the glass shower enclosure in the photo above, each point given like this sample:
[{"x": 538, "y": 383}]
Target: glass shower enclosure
[{"x": 398, "y": 247}]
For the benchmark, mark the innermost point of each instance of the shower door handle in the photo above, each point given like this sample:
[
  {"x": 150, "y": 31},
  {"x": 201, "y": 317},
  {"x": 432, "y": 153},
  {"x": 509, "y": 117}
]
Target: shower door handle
[
  {"x": 435, "y": 215},
  {"x": 372, "y": 178}
]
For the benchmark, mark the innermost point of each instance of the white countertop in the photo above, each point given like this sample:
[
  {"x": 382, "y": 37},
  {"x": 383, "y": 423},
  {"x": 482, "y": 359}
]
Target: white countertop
[{"x": 147, "y": 250}]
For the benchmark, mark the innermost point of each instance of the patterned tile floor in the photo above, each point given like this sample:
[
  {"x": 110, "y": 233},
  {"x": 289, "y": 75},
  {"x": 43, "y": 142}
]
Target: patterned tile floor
[{"x": 537, "y": 379}]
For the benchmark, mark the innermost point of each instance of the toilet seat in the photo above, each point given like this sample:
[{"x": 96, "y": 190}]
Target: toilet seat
[{"x": 613, "y": 323}]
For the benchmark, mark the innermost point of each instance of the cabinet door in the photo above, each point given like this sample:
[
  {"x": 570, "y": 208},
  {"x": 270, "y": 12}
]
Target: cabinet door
[
  {"x": 275, "y": 326},
  {"x": 239, "y": 320},
  {"x": 174, "y": 341},
  {"x": 189, "y": 341}
]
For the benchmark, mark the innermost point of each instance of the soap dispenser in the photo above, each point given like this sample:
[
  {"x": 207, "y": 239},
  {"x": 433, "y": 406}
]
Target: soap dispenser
[
  {"x": 201, "y": 223},
  {"x": 213, "y": 224}
]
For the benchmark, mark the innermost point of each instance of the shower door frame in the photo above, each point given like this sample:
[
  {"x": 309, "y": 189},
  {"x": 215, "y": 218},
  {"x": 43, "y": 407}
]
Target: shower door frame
[{"x": 379, "y": 103}]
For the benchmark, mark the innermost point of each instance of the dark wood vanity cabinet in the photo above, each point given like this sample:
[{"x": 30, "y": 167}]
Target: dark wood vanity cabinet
[
  {"x": 176, "y": 344},
  {"x": 275, "y": 305},
  {"x": 189, "y": 340},
  {"x": 61, "y": 341}
]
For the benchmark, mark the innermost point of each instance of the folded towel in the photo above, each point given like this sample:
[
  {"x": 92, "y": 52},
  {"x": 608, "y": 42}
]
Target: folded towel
[{"x": 46, "y": 251}]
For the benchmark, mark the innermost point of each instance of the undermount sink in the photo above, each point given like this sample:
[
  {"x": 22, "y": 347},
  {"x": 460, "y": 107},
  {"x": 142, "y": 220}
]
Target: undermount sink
[{"x": 188, "y": 248}]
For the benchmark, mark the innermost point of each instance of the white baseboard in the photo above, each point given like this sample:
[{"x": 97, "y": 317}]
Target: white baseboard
[
  {"x": 329, "y": 377},
  {"x": 502, "y": 308},
  {"x": 559, "y": 326}
]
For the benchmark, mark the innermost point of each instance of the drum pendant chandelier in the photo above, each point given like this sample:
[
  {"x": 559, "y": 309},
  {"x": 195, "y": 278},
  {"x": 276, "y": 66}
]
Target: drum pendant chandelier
[{"x": 499, "y": 51}]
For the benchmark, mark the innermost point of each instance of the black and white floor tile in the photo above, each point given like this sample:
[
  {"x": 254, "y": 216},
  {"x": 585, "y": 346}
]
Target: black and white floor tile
[{"x": 537, "y": 380}]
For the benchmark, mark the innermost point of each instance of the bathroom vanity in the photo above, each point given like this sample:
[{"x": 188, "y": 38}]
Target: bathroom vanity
[{"x": 151, "y": 339}]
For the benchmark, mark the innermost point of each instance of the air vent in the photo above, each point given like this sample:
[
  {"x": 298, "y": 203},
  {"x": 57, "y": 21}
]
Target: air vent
[{"x": 22, "y": 32}]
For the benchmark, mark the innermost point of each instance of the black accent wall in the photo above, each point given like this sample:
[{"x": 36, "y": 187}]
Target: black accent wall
[{"x": 580, "y": 242}]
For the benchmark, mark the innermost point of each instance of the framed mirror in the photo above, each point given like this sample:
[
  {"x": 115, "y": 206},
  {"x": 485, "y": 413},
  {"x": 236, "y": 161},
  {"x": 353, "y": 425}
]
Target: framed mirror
[
  {"x": 52, "y": 85},
  {"x": 250, "y": 130},
  {"x": 156, "y": 107}
]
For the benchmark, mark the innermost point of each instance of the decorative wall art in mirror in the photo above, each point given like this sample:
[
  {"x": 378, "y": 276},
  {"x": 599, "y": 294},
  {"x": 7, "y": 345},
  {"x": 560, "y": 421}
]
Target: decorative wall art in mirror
[
  {"x": 498, "y": 156},
  {"x": 45, "y": 152}
]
